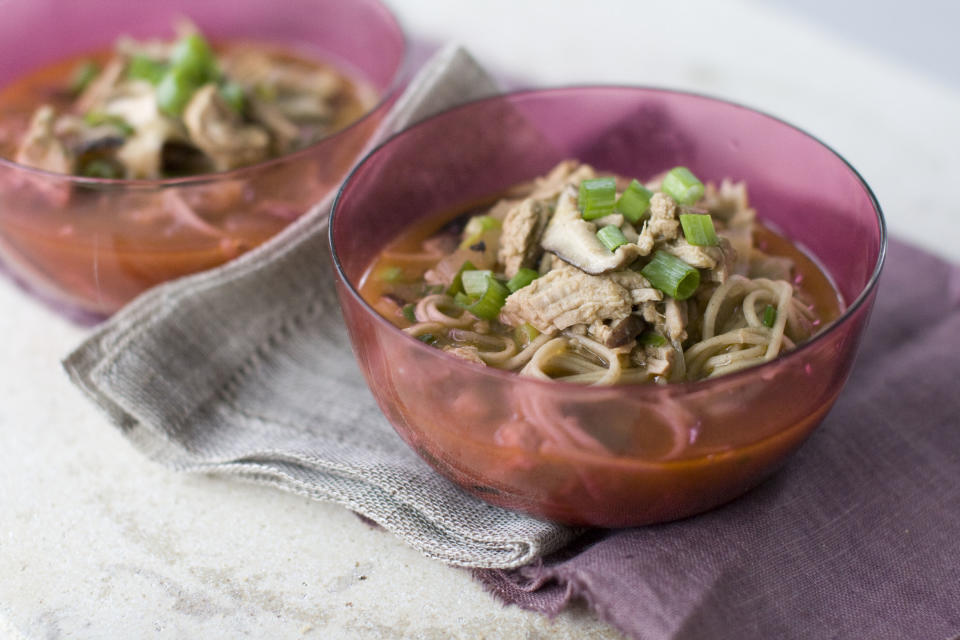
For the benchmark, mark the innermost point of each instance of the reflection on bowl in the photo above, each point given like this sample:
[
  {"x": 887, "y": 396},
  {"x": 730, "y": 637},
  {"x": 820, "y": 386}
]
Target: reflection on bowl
[
  {"x": 667, "y": 451},
  {"x": 94, "y": 244}
]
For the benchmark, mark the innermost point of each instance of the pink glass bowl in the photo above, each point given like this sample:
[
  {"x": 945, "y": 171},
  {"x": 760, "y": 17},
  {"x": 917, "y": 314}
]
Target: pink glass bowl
[
  {"x": 671, "y": 451},
  {"x": 95, "y": 244}
]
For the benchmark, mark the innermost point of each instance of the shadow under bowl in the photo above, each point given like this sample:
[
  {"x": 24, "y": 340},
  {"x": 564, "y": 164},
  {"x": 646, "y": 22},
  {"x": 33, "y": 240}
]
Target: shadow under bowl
[
  {"x": 668, "y": 451},
  {"x": 93, "y": 245}
]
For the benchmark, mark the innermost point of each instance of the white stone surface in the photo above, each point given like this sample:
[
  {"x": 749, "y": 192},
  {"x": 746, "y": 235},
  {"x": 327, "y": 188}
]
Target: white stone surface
[{"x": 95, "y": 542}]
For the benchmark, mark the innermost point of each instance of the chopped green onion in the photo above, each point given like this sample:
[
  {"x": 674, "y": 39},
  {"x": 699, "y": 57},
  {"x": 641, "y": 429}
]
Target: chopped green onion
[
  {"x": 597, "y": 197},
  {"x": 175, "y": 90},
  {"x": 265, "y": 92},
  {"x": 487, "y": 306},
  {"x": 682, "y": 186},
  {"x": 143, "y": 68},
  {"x": 428, "y": 338},
  {"x": 611, "y": 237},
  {"x": 97, "y": 118},
  {"x": 194, "y": 57},
  {"x": 99, "y": 169},
  {"x": 769, "y": 316},
  {"x": 525, "y": 334},
  {"x": 232, "y": 94},
  {"x": 476, "y": 227},
  {"x": 83, "y": 75},
  {"x": 652, "y": 339},
  {"x": 409, "y": 312},
  {"x": 391, "y": 274},
  {"x": 522, "y": 278},
  {"x": 672, "y": 275},
  {"x": 475, "y": 282},
  {"x": 698, "y": 229},
  {"x": 456, "y": 286},
  {"x": 634, "y": 201}
]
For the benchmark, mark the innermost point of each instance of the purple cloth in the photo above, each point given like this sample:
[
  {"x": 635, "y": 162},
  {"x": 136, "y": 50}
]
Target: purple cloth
[{"x": 857, "y": 537}]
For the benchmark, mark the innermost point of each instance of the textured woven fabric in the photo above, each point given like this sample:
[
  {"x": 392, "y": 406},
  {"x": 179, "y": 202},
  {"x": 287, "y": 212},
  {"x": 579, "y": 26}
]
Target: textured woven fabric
[
  {"x": 857, "y": 537},
  {"x": 247, "y": 370}
]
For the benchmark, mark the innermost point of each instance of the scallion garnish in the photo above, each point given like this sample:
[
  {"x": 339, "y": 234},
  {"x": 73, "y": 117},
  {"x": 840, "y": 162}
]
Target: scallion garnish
[
  {"x": 476, "y": 227},
  {"x": 174, "y": 91},
  {"x": 682, "y": 186},
  {"x": 143, "y": 68},
  {"x": 652, "y": 339},
  {"x": 522, "y": 278},
  {"x": 487, "y": 305},
  {"x": 97, "y": 118},
  {"x": 698, "y": 229},
  {"x": 671, "y": 275},
  {"x": 391, "y": 274},
  {"x": 100, "y": 169},
  {"x": 83, "y": 75},
  {"x": 192, "y": 55},
  {"x": 597, "y": 197},
  {"x": 525, "y": 334},
  {"x": 634, "y": 201},
  {"x": 232, "y": 93},
  {"x": 475, "y": 282},
  {"x": 456, "y": 286},
  {"x": 769, "y": 316},
  {"x": 429, "y": 338},
  {"x": 409, "y": 312},
  {"x": 611, "y": 237}
]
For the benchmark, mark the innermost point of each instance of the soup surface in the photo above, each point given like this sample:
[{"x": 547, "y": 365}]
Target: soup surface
[
  {"x": 162, "y": 109},
  {"x": 599, "y": 279}
]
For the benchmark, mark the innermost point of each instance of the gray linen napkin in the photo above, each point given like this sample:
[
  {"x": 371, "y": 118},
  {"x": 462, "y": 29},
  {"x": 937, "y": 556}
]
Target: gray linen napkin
[{"x": 247, "y": 370}]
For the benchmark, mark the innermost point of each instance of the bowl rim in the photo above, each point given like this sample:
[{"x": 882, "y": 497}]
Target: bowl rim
[
  {"x": 642, "y": 388},
  {"x": 397, "y": 80}
]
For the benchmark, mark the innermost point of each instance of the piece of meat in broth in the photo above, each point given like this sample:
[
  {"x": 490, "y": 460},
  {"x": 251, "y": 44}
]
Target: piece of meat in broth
[
  {"x": 520, "y": 237},
  {"x": 565, "y": 297},
  {"x": 217, "y": 129}
]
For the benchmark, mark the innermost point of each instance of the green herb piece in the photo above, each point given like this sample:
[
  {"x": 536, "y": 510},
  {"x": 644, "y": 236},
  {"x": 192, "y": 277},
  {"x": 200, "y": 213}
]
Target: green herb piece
[
  {"x": 428, "y": 338},
  {"x": 175, "y": 90},
  {"x": 671, "y": 275},
  {"x": 525, "y": 334},
  {"x": 98, "y": 118},
  {"x": 391, "y": 274},
  {"x": 682, "y": 186},
  {"x": 611, "y": 237},
  {"x": 769, "y": 316},
  {"x": 476, "y": 227},
  {"x": 652, "y": 339},
  {"x": 522, "y": 278},
  {"x": 193, "y": 56},
  {"x": 143, "y": 68},
  {"x": 634, "y": 202},
  {"x": 487, "y": 305},
  {"x": 456, "y": 286},
  {"x": 83, "y": 75},
  {"x": 232, "y": 93},
  {"x": 698, "y": 229},
  {"x": 409, "y": 312},
  {"x": 597, "y": 197},
  {"x": 99, "y": 169},
  {"x": 475, "y": 282}
]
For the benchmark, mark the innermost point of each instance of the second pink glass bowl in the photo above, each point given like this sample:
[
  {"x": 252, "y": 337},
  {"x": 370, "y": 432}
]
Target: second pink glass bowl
[
  {"x": 92, "y": 244},
  {"x": 670, "y": 451}
]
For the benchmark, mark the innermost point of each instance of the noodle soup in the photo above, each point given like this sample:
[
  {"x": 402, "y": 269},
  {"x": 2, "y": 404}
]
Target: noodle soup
[
  {"x": 595, "y": 279},
  {"x": 126, "y": 167}
]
